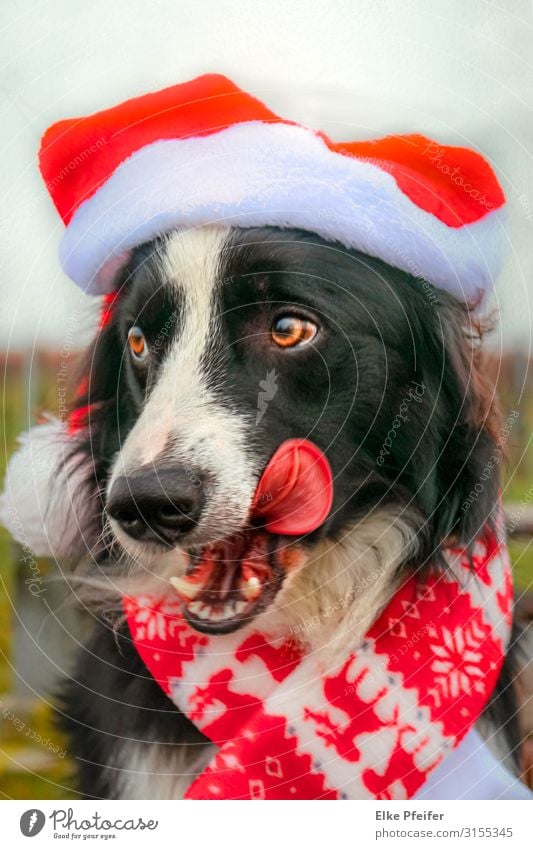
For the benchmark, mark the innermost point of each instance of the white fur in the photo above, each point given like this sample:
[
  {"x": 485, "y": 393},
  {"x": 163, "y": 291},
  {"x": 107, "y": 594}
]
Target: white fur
[
  {"x": 157, "y": 770},
  {"x": 40, "y": 505},
  {"x": 331, "y": 601}
]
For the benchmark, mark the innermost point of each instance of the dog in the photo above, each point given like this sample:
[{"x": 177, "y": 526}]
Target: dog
[{"x": 220, "y": 344}]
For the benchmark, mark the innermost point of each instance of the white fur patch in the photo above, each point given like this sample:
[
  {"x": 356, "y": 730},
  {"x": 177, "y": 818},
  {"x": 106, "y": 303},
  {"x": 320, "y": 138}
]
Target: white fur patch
[
  {"x": 157, "y": 770},
  {"x": 183, "y": 416},
  {"x": 41, "y": 505},
  {"x": 333, "y": 599}
]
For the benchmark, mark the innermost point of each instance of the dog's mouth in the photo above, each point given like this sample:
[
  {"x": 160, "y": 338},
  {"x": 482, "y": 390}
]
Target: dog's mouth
[{"x": 229, "y": 582}]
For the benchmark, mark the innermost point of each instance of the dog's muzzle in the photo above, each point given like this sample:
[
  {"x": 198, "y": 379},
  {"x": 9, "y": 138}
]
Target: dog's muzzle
[{"x": 230, "y": 581}]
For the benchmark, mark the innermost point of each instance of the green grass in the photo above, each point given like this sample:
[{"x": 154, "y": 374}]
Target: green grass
[{"x": 521, "y": 553}]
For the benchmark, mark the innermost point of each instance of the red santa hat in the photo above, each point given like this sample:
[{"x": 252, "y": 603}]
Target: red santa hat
[{"x": 207, "y": 152}]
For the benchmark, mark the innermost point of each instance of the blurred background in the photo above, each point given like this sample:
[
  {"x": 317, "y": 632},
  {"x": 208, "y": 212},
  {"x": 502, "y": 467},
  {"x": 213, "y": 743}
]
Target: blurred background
[{"x": 355, "y": 68}]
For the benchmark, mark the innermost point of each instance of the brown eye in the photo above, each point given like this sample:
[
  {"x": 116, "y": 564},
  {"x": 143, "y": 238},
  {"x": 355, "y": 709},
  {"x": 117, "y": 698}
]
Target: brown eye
[
  {"x": 137, "y": 343},
  {"x": 290, "y": 331}
]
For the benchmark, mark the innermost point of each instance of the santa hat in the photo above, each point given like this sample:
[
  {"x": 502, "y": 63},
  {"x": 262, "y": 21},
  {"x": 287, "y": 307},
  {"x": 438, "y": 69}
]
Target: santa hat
[{"x": 207, "y": 152}]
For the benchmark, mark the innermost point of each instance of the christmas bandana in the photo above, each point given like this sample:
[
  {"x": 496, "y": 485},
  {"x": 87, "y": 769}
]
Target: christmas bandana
[{"x": 288, "y": 724}]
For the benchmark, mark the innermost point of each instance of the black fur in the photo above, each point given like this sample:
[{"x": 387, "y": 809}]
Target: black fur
[{"x": 112, "y": 698}]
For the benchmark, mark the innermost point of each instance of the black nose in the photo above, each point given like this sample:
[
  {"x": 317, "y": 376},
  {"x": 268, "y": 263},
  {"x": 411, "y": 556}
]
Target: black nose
[{"x": 159, "y": 505}]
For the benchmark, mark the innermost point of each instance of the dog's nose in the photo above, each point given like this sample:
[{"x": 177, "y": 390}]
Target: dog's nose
[{"x": 159, "y": 505}]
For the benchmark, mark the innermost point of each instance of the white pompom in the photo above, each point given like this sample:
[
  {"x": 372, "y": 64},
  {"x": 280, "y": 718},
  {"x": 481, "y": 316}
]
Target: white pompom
[{"x": 42, "y": 490}]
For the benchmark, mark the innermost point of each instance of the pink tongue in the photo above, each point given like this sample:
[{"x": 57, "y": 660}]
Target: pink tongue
[{"x": 295, "y": 492}]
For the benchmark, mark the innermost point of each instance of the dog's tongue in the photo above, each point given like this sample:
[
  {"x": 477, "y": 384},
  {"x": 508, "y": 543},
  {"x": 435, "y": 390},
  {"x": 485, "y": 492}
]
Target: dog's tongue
[
  {"x": 295, "y": 493},
  {"x": 233, "y": 579}
]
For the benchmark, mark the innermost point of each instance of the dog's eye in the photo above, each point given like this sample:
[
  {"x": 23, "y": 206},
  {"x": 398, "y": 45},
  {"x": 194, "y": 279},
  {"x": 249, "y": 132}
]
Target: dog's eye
[
  {"x": 290, "y": 331},
  {"x": 137, "y": 343}
]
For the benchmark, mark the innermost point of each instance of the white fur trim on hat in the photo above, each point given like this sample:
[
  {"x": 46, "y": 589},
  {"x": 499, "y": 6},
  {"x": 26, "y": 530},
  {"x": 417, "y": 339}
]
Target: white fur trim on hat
[{"x": 258, "y": 174}]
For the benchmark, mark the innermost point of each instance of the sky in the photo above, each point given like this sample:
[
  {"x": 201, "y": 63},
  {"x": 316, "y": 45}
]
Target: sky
[{"x": 460, "y": 72}]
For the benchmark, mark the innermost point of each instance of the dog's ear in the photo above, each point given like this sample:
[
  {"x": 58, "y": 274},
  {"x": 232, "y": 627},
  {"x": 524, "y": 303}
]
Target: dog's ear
[{"x": 468, "y": 463}]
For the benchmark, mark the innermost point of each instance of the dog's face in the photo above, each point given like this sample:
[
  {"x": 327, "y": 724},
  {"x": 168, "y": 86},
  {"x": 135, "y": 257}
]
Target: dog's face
[{"x": 222, "y": 345}]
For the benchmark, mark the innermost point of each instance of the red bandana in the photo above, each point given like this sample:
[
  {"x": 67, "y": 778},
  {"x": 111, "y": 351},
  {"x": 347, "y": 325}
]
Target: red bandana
[{"x": 289, "y": 726}]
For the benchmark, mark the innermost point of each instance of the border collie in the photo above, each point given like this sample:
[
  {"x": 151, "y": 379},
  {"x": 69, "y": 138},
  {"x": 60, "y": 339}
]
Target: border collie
[{"x": 220, "y": 345}]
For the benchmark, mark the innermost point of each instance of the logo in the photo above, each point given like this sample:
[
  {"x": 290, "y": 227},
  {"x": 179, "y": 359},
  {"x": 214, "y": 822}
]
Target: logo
[
  {"x": 269, "y": 389},
  {"x": 32, "y": 822}
]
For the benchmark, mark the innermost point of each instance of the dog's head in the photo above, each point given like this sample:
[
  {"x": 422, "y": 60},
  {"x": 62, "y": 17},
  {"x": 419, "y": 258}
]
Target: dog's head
[{"x": 221, "y": 345}]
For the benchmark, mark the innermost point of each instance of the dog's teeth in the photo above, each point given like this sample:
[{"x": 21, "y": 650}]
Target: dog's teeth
[
  {"x": 251, "y": 588},
  {"x": 227, "y": 610},
  {"x": 240, "y": 606},
  {"x": 185, "y": 588},
  {"x": 203, "y": 611},
  {"x": 195, "y": 607}
]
